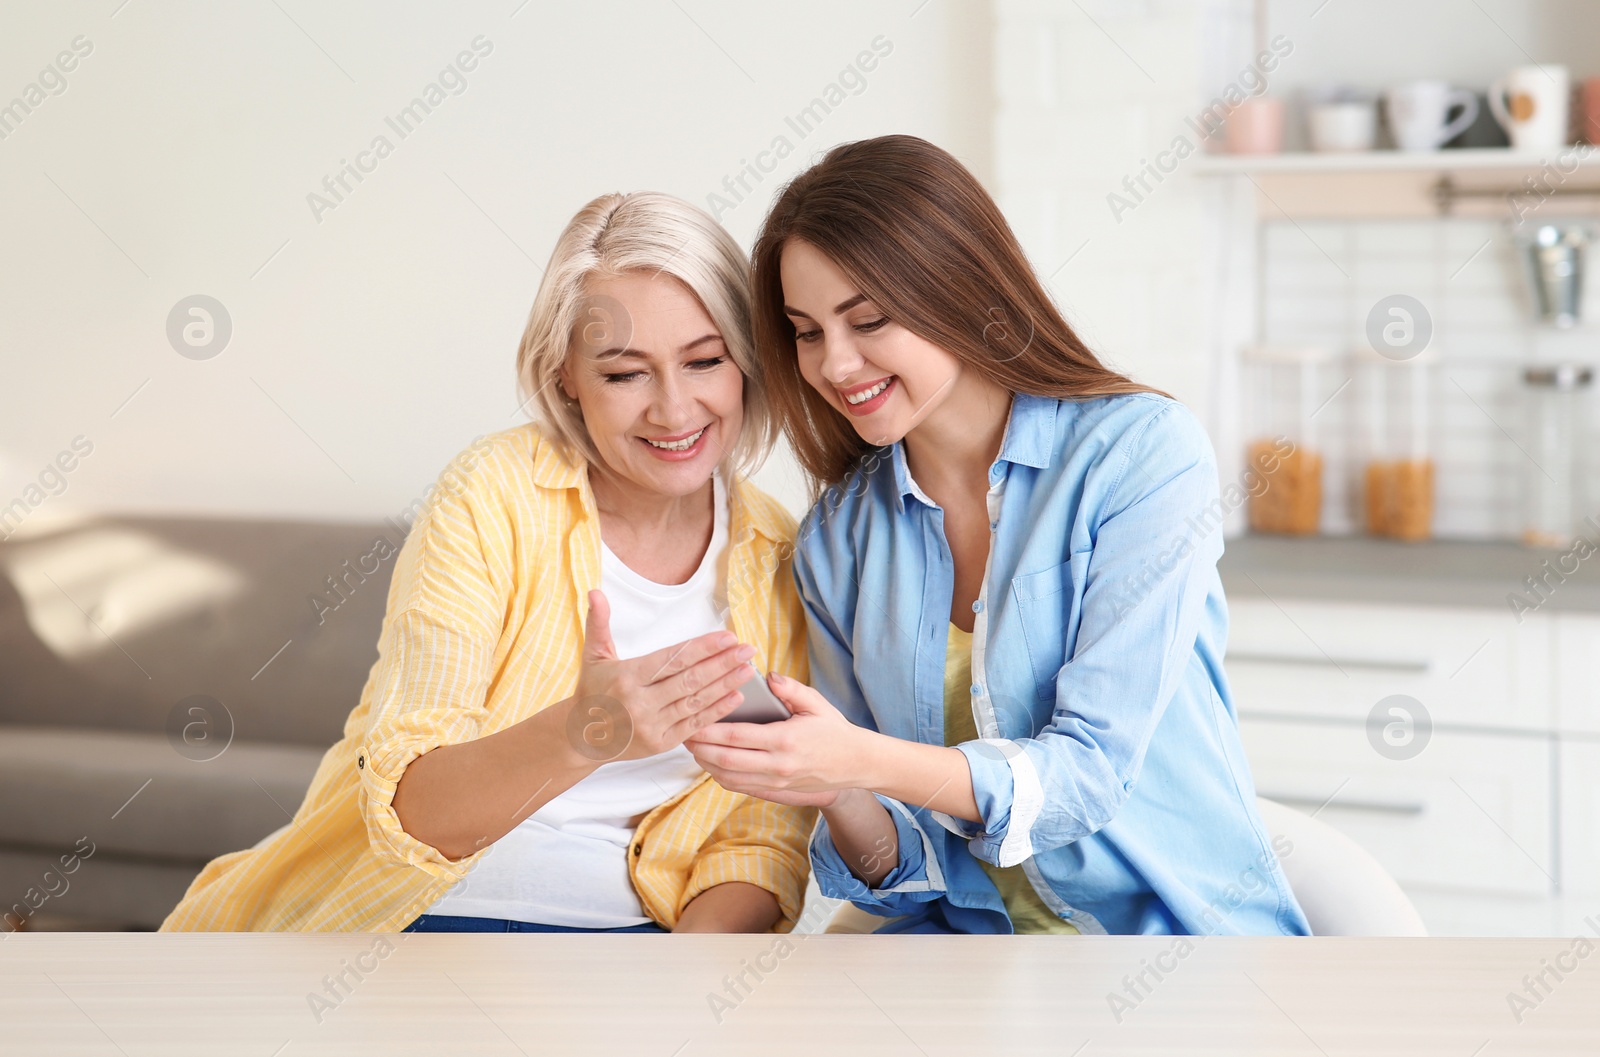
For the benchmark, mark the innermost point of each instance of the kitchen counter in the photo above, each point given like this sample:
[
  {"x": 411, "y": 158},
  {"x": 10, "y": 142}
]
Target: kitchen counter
[{"x": 1433, "y": 573}]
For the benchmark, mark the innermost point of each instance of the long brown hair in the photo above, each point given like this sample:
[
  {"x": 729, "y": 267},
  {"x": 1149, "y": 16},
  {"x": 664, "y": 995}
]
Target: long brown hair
[{"x": 924, "y": 241}]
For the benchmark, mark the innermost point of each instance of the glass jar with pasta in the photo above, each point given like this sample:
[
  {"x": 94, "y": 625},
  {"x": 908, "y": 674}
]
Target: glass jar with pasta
[
  {"x": 1395, "y": 446},
  {"x": 1286, "y": 388}
]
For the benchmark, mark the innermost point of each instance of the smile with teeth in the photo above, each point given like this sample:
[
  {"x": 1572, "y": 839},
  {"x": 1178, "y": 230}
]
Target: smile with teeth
[
  {"x": 677, "y": 445},
  {"x": 867, "y": 394}
]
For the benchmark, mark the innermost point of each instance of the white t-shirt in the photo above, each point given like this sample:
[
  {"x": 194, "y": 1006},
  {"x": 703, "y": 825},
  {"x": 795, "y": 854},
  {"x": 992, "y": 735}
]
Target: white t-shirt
[{"x": 567, "y": 863}]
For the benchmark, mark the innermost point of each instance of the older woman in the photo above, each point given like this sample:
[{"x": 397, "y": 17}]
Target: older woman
[{"x": 557, "y": 626}]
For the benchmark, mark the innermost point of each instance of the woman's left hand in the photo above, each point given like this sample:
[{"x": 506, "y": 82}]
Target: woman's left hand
[{"x": 805, "y": 761}]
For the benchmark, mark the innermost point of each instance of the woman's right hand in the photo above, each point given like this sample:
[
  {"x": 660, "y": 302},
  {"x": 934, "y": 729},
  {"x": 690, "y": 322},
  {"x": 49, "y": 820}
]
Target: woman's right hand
[{"x": 630, "y": 709}]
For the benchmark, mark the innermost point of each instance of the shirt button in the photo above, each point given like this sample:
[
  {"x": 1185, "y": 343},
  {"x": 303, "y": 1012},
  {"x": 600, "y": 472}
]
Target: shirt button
[
  {"x": 977, "y": 607},
  {"x": 637, "y": 848},
  {"x": 361, "y": 762},
  {"x": 994, "y": 526},
  {"x": 976, "y": 689},
  {"x": 1066, "y": 913}
]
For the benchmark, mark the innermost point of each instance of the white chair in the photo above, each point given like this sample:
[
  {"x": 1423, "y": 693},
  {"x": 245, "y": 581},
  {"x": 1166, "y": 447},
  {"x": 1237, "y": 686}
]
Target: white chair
[{"x": 1340, "y": 886}]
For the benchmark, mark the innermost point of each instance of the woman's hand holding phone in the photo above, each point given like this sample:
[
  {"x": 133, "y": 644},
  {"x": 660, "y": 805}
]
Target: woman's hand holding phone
[
  {"x": 650, "y": 704},
  {"x": 805, "y": 761}
]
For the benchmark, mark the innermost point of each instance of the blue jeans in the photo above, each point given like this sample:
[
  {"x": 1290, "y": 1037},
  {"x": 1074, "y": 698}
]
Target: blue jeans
[{"x": 452, "y": 923}]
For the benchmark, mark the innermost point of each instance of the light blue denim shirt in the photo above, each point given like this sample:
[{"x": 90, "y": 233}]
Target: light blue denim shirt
[{"x": 1109, "y": 763}]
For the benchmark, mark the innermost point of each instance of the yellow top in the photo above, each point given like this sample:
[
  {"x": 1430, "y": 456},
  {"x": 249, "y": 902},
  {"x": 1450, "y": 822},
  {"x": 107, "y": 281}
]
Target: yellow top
[
  {"x": 1028, "y": 912},
  {"x": 483, "y": 628}
]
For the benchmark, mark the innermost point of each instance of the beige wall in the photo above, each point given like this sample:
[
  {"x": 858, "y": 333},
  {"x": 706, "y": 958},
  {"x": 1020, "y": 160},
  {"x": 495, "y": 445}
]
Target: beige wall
[{"x": 373, "y": 336}]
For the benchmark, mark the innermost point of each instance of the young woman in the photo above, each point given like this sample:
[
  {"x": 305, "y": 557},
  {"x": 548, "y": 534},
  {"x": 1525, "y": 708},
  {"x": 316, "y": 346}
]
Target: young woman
[
  {"x": 1020, "y": 720},
  {"x": 556, "y": 627}
]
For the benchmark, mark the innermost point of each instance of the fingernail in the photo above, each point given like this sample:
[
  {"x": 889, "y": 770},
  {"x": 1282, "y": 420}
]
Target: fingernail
[
  {"x": 746, "y": 652},
  {"x": 726, "y": 639}
]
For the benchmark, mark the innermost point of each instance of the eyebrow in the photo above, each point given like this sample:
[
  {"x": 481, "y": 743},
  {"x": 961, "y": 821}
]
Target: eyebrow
[
  {"x": 619, "y": 352},
  {"x": 843, "y": 306}
]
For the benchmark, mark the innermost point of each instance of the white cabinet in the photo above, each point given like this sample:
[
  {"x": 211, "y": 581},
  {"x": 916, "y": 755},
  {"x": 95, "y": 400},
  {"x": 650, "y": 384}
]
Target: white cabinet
[
  {"x": 1470, "y": 812},
  {"x": 1578, "y": 672},
  {"x": 1336, "y": 660},
  {"x": 1450, "y": 913},
  {"x": 1493, "y": 827},
  {"x": 1580, "y": 821}
]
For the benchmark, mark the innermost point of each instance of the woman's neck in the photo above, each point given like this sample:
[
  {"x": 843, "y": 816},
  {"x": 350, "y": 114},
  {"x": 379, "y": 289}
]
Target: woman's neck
[
  {"x": 956, "y": 444},
  {"x": 641, "y": 512},
  {"x": 661, "y": 537}
]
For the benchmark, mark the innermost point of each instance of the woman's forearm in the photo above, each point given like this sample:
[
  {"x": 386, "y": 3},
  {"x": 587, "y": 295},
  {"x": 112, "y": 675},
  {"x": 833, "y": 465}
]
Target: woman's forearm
[
  {"x": 463, "y": 797},
  {"x": 929, "y": 776},
  {"x": 864, "y": 835},
  {"x": 921, "y": 775},
  {"x": 733, "y": 906}
]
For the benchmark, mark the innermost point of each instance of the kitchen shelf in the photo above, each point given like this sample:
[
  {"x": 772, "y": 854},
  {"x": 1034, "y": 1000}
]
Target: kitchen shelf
[{"x": 1394, "y": 161}]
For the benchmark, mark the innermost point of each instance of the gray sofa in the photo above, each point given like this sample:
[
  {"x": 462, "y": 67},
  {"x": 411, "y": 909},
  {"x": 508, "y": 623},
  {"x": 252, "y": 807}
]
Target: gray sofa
[{"x": 128, "y": 645}]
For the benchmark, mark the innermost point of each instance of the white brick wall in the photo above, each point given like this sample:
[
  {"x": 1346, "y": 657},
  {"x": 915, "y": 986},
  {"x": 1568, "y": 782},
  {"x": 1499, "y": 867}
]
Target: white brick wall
[
  {"x": 1171, "y": 290},
  {"x": 1087, "y": 94},
  {"x": 1466, "y": 274}
]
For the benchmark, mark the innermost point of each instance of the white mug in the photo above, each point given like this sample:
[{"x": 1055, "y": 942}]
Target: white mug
[
  {"x": 1531, "y": 103},
  {"x": 1418, "y": 112},
  {"x": 1346, "y": 125}
]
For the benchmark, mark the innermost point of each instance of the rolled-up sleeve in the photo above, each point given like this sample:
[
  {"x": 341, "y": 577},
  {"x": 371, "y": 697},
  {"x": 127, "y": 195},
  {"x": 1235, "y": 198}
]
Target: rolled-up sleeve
[
  {"x": 431, "y": 693},
  {"x": 759, "y": 843},
  {"x": 1148, "y": 578},
  {"x": 916, "y": 877},
  {"x": 435, "y": 661}
]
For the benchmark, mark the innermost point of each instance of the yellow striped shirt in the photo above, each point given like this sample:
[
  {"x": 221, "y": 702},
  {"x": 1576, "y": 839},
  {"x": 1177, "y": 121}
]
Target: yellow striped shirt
[{"x": 483, "y": 628}]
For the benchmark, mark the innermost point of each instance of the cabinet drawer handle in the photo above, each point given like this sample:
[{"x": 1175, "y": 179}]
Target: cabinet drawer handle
[
  {"x": 1379, "y": 806},
  {"x": 1411, "y": 667}
]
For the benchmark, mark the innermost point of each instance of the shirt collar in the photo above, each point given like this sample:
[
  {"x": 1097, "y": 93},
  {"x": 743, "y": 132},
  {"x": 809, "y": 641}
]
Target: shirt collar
[
  {"x": 553, "y": 467},
  {"x": 1029, "y": 440},
  {"x": 751, "y": 510},
  {"x": 903, "y": 484}
]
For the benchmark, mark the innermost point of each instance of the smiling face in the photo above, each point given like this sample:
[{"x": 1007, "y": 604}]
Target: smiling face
[
  {"x": 882, "y": 377},
  {"x": 660, "y": 397}
]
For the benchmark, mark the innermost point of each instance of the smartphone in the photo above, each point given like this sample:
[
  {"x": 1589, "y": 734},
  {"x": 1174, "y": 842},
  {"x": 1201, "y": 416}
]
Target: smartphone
[{"x": 760, "y": 704}]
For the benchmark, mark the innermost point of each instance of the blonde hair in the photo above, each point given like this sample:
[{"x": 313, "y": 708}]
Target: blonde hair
[{"x": 643, "y": 231}]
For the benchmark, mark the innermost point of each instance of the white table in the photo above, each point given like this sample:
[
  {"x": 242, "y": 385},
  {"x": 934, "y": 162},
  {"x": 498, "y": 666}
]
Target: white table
[{"x": 648, "y": 996}]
